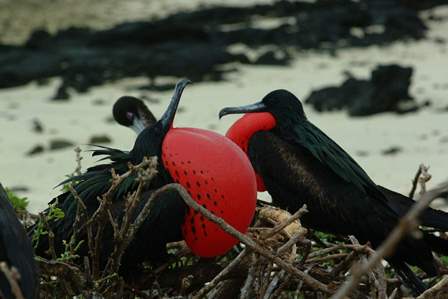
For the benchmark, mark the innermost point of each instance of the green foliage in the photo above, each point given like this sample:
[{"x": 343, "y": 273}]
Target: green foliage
[
  {"x": 444, "y": 260},
  {"x": 65, "y": 187},
  {"x": 324, "y": 236},
  {"x": 69, "y": 251},
  {"x": 19, "y": 203},
  {"x": 54, "y": 214}
]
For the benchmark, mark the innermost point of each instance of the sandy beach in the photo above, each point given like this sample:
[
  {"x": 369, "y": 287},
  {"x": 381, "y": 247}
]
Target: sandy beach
[{"x": 422, "y": 137}]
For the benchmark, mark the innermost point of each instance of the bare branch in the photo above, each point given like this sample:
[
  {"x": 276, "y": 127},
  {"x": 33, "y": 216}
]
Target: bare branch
[
  {"x": 287, "y": 222},
  {"x": 209, "y": 286},
  {"x": 415, "y": 181},
  {"x": 12, "y": 275},
  {"x": 310, "y": 281},
  {"x": 439, "y": 289}
]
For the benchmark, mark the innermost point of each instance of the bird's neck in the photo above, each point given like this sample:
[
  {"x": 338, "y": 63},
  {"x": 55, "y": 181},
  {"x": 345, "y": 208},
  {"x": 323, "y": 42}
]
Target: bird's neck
[
  {"x": 243, "y": 130},
  {"x": 148, "y": 143}
]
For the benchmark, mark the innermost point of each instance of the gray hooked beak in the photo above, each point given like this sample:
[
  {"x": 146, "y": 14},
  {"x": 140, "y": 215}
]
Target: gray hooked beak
[
  {"x": 168, "y": 117},
  {"x": 257, "y": 107}
]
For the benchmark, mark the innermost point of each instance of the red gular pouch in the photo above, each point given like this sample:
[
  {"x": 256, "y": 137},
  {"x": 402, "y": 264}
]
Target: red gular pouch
[
  {"x": 243, "y": 129},
  {"x": 218, "y": 175}
]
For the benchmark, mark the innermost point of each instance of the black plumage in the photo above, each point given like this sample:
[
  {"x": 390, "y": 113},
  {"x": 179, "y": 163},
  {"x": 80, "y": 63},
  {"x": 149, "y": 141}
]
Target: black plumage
[
  {"x": 16, "y": 251},
  {"x": 300, "y": 164},
  {"x": 163, "y": 224}
]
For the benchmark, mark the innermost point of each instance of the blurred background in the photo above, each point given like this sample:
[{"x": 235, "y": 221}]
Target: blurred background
[{"x": 372, "y": 74}]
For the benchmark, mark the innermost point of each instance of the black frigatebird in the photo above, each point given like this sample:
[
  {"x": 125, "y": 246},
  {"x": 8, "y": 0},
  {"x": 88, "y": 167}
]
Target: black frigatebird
[
  {"x": 167, "y": 212},
  {"x": 299, "y": 164},
  {"x": 125, "y": 107},
  {"x": 16, "y": 251},
  {"x": 189, "y": 156}
]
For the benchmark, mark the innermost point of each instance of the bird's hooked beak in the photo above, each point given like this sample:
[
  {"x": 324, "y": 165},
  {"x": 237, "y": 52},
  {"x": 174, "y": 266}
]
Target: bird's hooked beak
[
  {"x": 168, "y": 117},
  {"x": 257, "y": 107}
]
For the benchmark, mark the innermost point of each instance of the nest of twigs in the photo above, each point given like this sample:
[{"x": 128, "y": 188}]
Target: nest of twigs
[{"x": 276, "y": 258}]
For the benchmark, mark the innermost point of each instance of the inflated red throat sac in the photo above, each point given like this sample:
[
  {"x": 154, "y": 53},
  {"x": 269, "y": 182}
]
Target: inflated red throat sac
[
  {"x": 218, "y": 175},
  {"x": 243, "y": 129}
]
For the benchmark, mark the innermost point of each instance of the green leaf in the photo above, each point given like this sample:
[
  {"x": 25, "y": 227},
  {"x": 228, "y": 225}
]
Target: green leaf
[{"x": 19, "y": 203}]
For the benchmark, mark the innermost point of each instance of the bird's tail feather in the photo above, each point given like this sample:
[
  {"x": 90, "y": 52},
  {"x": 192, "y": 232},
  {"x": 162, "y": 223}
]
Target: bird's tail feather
[
  {"x": 435, "y": 218},
  {"x": 437, "y": 244},
  {"x": 429, "y": 217},
  {"x": 409, "y": 278}
]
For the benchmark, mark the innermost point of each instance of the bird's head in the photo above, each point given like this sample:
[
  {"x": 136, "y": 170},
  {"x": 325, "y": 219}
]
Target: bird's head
[
  {"x": 278, "y": 108},
  {"x": 148, "y": 142},
  {"x": 282, "y": 104},
  {"x": 133, "y": 113}
]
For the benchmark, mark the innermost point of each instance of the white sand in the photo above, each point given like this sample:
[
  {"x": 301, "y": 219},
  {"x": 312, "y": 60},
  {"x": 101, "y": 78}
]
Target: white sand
[{"x": 420, "y": 134}]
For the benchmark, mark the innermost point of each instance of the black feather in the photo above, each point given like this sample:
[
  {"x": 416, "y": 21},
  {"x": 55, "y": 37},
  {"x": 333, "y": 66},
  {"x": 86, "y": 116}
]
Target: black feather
[
  {"x": 163, "y": 224},
  {"x": 16, "y": 250}
]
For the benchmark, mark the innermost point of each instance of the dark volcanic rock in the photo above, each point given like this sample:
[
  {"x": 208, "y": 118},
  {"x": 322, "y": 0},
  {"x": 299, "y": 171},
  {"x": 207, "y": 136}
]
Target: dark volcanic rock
[
  {"x": 273, "y": 58},
  {"x": 57, "y": 144},
  {"x": 444, "y": 109},
  {"x": 37, "y": 126},
  {"x": 97, "y": 139},
  {"x": 194, "y": 44},
  {"x": 387, "y": 90},
  {"x": 61, "y": 93},
  {"x": 393, "y": 150},
  {"x": 37, "y": 149}
]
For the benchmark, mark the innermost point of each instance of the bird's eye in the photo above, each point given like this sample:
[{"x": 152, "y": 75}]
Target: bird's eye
[{"x": 130, "y": 115}]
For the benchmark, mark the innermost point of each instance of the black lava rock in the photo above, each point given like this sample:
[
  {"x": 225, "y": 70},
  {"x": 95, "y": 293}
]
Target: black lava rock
[
  {"x": 100, "y": 139},
  {"x": 273, "y": 58},
  {"x": 387, "y": 90},
  {"x": 195, "y": 44},
  {"x": 37, "y": 149},
  {"x": 57, "y": 144},
  {"x": 61, "y": 94},
  {"x": 391, "y": 151},
  {"x": 37, "y": 126}
]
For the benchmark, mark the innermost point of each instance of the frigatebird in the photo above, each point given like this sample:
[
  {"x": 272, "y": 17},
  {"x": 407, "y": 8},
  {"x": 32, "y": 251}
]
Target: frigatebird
[
  {"x": 16, "y": 251},
  {"x": 163, "y": 225},
  {"x": 124, "y": 107},
  {"x": 208, "y": 165},
  {"x": 299, "y": 164}
]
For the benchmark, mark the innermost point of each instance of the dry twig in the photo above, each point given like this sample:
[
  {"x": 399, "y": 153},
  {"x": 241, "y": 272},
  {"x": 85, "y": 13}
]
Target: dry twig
[
  {"x": 415, "y": 181},
  {"x": 13, "y": 276},
  {"x": 310, "y": 281},
  {"x": 439, "y": 289},
  {"x": 209, "y": 286}
]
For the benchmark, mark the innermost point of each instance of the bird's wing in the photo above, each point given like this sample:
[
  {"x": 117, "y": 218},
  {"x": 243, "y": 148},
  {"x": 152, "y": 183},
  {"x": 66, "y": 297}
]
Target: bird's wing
[
  {"x": 330, "y": 154},
  {"x": 162, "y": 225},
  {"x": 93, "y": 183},
  {"x": 16, "y": 250},
  {"x": 97, "y": 177},
  {"x": 294, "y": 176}
]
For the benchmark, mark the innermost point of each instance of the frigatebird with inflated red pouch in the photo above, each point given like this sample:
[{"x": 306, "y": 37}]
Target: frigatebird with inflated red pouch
[{"x": 206, "y": 164}]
